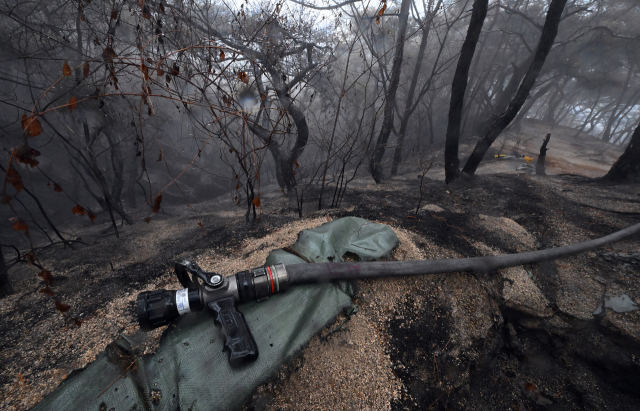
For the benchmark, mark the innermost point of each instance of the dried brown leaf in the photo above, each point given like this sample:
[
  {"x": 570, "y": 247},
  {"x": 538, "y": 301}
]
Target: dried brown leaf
[
  {"x": 62, "y": 307},
  {"x": 73, "y": 103},
  {"x": 78, "y": 210},
  {"x": 48, "y": 291},
  {"x": 156, "y": 204},
  {"x": 20, "y": 225},
  {"x": 31, "y": 125},
  {"x": 66, "y": 70},
  {"x": 46, "y": 276}
]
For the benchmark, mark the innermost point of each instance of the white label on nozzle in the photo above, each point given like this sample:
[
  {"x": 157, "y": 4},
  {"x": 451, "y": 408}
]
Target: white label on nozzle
[{"x": 182, "y": 301}]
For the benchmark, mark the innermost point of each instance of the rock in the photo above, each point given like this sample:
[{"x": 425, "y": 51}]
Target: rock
[
  {"x": 521, "y": 293},
  {"x": 509, "y": 230},
  {"x": 578, "y": 295},
  {"x": 432, "y": 208}
]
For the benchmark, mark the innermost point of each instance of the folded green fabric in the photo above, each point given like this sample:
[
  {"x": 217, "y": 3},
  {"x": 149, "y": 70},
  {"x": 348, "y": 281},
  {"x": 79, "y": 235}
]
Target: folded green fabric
[{"x": 190, "y": 371}]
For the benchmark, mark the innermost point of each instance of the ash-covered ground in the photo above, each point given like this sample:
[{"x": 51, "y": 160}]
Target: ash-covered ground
[{"x": 518, "y": 339}]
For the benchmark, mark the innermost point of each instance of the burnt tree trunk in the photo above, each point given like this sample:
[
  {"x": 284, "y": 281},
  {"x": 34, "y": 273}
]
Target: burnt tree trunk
[
  {"x": 409, "y": 103},
  {"x": 606, "y": 136},
  {"x": 501, "y": 121},
  {"x": 458, "y": 88},
  {"x": 375, "y": 163},
  {"x": 543, "y": 154},
  {"x": 5, "y": 285},
  {"x": 503, "y": 102},
  {"x": 629, "y": 162}
]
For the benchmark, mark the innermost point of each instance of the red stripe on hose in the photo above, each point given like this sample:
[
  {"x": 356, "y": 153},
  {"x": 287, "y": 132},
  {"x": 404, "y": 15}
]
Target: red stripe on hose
[{"x": 273, "y": 288}]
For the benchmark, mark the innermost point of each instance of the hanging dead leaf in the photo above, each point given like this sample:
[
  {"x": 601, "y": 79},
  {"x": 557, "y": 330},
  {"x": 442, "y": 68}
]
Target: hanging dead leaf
[
  {"x": 31, "y": 125},
  {"x": 91, "y": 216},
  {"x": 20, "y": 225},
  {"x": 26, "y": 155},
  {"x": 200, "y": 224},
  {"x": 85, "y": 69},
  {"x": 175, "y": 70},
  {"x": 108, "y": 54},
  {"x": 46, "y": 276},
  {"x": 237, "y": 186},
  {"x": 30, "y": 258},
  {"x": 161, "y": 8},
  {"x": 147, "y": 220},
  {"x": 262, "y": 96},
  {"x": 381, "y": 12},
  {"x": 47, "y": 291},
  {"x": 296, "y": 163},
  {"x": 156, "y": 204},
  {"x": 168, "y": 78},
  {"x": 83, "y": 18},
  {"x": 256, "y": 201},
  {"x": 77, "y": 322},
  {"x": 145, "y": 71},
  {"x": 243, "y": 77},
  {"x": 114, "y": 14},
  {"x": 6, "y": 198},
  {"x": 73, "y": 103},
  {"x": 159, "y": 157},
  {"x": 141, "y": 3},
  {"x": 221, "y": 55},
  {"x": 14, "y": 179},
  {"x": 78, "y": 210},
  {"x": 160, "y": 72},
  {"x": 57, "y": 188},
  {"x": 62, "y": 307},
  {"x": 378, "y": 20},
  {"x": 66, "y": 70}
]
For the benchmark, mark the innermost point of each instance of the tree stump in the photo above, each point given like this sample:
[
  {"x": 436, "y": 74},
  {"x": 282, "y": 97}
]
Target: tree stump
[{"x": 543, "y": 153}]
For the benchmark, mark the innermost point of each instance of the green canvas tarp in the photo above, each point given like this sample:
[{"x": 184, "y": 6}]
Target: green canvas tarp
[{"x": 190, "y": 371}]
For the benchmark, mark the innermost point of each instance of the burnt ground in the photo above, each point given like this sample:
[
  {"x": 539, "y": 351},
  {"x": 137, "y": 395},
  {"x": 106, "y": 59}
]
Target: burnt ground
[{"x": 448, "y": 341}]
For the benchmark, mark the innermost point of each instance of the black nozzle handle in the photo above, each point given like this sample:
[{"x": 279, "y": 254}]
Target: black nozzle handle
[{"x": 238, "y": 339}]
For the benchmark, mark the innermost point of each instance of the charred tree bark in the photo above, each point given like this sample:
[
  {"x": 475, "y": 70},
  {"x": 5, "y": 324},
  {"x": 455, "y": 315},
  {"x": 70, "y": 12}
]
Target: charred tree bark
[
  {"x": 287, "y": 163},
  {"x": 503, "y": 101},
  {"x": 284, "y": 161},
  {"x": 629, "y": 162},
  {"x": 501, "y": 121},
  {"x": 458, "y": 88},
  {"x": 397, "y": 155},
  {"x": 606, "y": 136},
  {"x": 517, "y": 123},
  {"x": 5, "y": 285},
  {"x": 543, "y": 154},
  {"x": 375, "y": 163}
]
